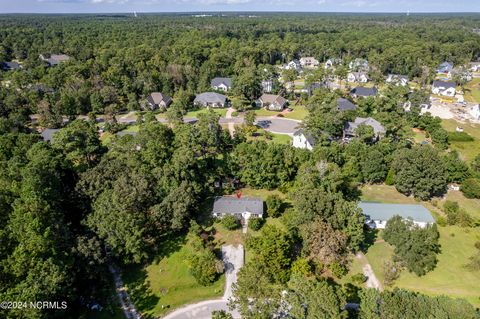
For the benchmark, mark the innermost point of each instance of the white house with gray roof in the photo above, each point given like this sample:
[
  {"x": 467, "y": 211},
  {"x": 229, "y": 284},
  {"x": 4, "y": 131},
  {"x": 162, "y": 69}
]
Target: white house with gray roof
[
  {"x": 360, "y": 77},
  {"x": 272, "y": 102},
  {"x": 210, "y": 99},
  {"x": 55, "y": 59},
  {"x": 377, "y": 214},
  {"x": 397, "y": 79},
  {"x": 221, "y": 84},
  {"x": 302, "y": 139},
  {"x": 242, "y": 208},
  {"x": 444, "y": 88},
  {"x": 351, "y": 127}
]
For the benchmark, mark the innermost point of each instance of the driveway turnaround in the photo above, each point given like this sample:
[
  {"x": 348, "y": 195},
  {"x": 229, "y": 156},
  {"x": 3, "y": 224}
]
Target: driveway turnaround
[
  {"x": 278, "y": 125},
  {"x": 233, "y": 259}
]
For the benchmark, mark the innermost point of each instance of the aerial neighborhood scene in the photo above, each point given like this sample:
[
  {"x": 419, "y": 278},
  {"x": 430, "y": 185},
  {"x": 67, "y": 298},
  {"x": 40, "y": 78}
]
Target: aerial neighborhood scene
[{"x": 227, "y": 159}]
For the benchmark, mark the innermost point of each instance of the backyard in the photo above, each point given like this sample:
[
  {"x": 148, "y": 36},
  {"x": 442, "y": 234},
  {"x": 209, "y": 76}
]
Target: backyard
[{"x": 472, "y": 91}]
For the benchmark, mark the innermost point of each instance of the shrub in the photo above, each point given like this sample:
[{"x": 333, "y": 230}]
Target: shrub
[
  {"x": 337, "y": 269},
  {"x": 235, "y": 114},
  {"x": 302, "y": 266},
  {"x": 274, "y": 205},
  {"x": 359, "y": 278},
  {"x": 230, "y": 222},
  {"x": 204, "y": 267},
  {"x": 280, "y": 115},
  {"x": 391, "y": 272},
  {"x": 390, "y": 180},
  {"x": 255, "y": 223},
  {"x": 459, "y": 137},
  {"x": 471, "y": 188},
  {"x": 221, "y": 314}
]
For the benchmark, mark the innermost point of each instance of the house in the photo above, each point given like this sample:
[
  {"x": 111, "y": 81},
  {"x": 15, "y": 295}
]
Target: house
[
  {"x": 397, "y": 79},
  {"x": 309, "y": 62},
  {"x": 55, "y": 59},
  {"x": 445, "y": 67},
  {"x": 221, "y": 84},
  {"x": 360, "y": 77},
  {"x": 210, "y": 99},
  {"x": 267, "y": 86},
  {"x": 10, "y": 66},
  {"x": 351, "y": 127},
  {"x": 359, "y": 65},
  {"x": 361, "y": 91},
  {"x": 272, "y": 102},
  {"x": 157, "y": 100},
  {"x": 345, "y": 105},
  {"x": 377, "y": 214},
  {"x": 47, "y": 134},
  {"x": 242, "y": 208},
  {"x": 310, "y": 89},
  {"x": 294, "y": 64},
  {"x": 444, "y": 88},
  {"x": 302, "y": 139},
  {"x": 331, "y": 62},
  {"x": 474, "y": 66},
  {"x": 474, "y": 112}
]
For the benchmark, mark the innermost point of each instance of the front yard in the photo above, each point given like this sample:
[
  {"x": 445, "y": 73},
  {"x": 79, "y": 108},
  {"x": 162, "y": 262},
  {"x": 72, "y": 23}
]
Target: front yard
[{"x": 166, "y": 283}]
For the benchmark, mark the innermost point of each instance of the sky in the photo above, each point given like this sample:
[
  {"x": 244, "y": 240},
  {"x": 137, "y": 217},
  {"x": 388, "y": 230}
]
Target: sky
[{"x": 105, "y": 6}]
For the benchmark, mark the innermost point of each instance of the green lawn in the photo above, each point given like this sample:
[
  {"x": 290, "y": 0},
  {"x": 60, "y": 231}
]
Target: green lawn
[
  {"x": 299, "y": 113},
  {"x": 221, "y": 111},
  {"x": 167, "y": 281},
  {"x": 132, "y": 128},
  {"x": 471, "y": 206},
  {"x": 449, "y": 277},
  {"x": 260, "y": 111},
  {"x": 472, "y": 91},
  {"x": 467, "y": 150},
  {"x": 385, "y": 194},
  {"x": 261, "y": 193},
  {"x": 276, "y": 138}
]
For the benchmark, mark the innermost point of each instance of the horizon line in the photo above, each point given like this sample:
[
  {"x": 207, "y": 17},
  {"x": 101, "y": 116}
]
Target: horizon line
[{"x": 244, "y": 11}]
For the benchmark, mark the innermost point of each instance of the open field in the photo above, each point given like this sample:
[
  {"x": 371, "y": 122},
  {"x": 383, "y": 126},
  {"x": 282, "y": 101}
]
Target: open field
[
  {"x": 467, "y": 150},
  {"x": 472, "y": 91},
  {"x": 449, "y": 277},
  {"x": 167, "y": 282},
  {"x": 471, "y": 206},
  {"x": 261, "y": 193}
]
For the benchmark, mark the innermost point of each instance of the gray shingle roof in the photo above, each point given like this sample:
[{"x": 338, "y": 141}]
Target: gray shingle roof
[
  {"x": 308, "y": 136},
  {"x": 350, "y": 127},
  {"x": 10, "y": 66},
  {"x": 345, "y": 105},
  {"x": 210, "y": 97},
  {"x": 48, "y": 133},
  {"x": 234, "y": 205},
  {"x": 272, "y": 98},
  {"x": 381, "y": 211},
  {"x": 443, "y": 84},
  {"x": 157, "y": 97},
  {"x": 363, "y": 91},
  {"x": 218, "y": 81}
]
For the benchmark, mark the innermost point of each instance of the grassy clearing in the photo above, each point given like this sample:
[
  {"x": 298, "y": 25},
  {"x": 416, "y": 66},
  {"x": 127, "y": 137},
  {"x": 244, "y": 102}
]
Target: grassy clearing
[
  {"x": 167, "y": 282},
  {"x": 449, "y": 277},
  {"x": 260, "y": 111},
  {"x": 132, "y": 128},
  {"x": 467, "y": 150},
  {"x": 471, "y": 206},
  {"x": 221, "y": 111},
  {"x": 262, "y": 193},
  {"x": 276, "y": 138},
  {"x": 385, "y": 194},
  {"x": 472, "y": 91}
]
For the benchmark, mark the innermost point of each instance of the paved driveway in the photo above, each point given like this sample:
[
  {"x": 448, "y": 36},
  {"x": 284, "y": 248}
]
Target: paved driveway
[
  {"x": 233, "y": 259},
  {"x": 278, "y": 125}
]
